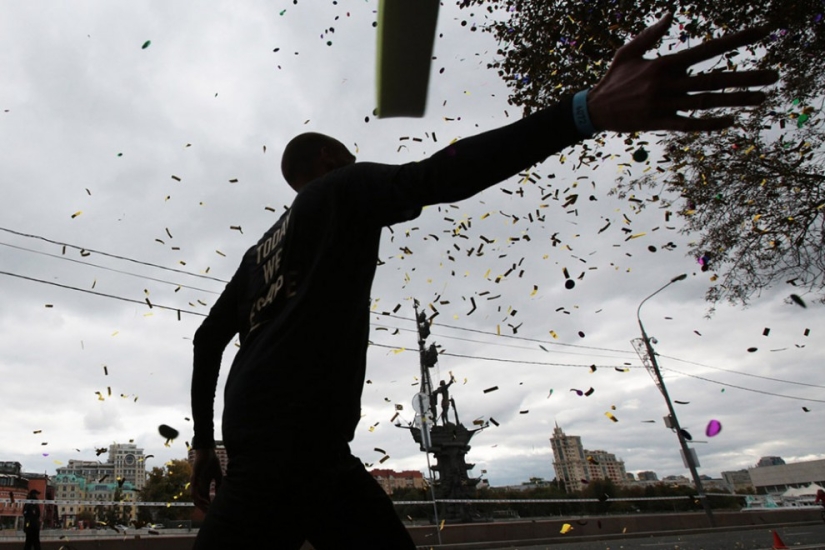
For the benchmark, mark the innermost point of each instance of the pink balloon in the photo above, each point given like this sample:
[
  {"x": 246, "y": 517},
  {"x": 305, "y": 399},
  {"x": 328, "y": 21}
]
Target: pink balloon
[{"x": 714, "y": 427}]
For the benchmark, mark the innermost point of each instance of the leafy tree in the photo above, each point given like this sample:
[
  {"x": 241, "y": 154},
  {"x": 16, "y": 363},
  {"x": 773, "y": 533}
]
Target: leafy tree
[
  {"x": 752, "y": 195},
  {"x": 169, "y": 483}
]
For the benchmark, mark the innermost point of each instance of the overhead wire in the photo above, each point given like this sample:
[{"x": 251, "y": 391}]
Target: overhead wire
[
  {"x": 449, "y": 354},
  {"x": 742, "y": 387},
  {"x": 103, "y": 294},
  {"x": 743, "y": 373},
  {"x": 105, "y": 268},
  {"x": 444, "y": 325},
  {"x": 109, "y": 255}
]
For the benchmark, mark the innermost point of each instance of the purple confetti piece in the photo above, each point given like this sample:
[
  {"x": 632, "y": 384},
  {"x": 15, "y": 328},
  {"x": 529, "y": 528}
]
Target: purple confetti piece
[{"x": 713, "y": 429}]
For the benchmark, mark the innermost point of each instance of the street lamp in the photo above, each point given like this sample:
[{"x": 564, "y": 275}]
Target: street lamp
[{"x": 660, "y": 383}]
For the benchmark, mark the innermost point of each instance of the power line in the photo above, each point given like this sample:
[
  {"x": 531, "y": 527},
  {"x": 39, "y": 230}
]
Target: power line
[
  {"x": 73, "y": 260},
  {"x": 741, "y": 387},
  {"x": 743, "y": 373},
  {"x": 515, "y": 361},
  {"x": 805, "y": 384},
  {"x": 529, "y": 348},
  {"x": 107, "y": 254},
  {"x": 449, "y": 354},
  {"x": 104, "y": 295},
  {"x": 510, "y": 336}
]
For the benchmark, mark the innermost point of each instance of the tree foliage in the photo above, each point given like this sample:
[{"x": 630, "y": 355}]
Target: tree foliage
[
  {"x": 752, "y": 196},
  {"x": 169, "y": 483}
]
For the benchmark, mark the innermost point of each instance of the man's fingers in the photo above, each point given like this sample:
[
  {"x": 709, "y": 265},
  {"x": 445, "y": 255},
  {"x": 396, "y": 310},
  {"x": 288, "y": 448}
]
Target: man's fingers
[
  {"x": 688, "y": 124},
  {"x": 717, "y": 46},
  {"x": 721, "y": 80},
  {"x": 645, "y": 40},
  {"x": 712, "y": 101}
]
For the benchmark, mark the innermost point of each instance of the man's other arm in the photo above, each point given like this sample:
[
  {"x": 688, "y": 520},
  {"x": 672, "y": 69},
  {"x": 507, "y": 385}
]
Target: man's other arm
[{"x": 636, "y": 94}]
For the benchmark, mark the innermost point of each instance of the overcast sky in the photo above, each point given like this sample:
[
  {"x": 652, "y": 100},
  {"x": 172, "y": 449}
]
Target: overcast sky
[{"x": 168, "y": 156}]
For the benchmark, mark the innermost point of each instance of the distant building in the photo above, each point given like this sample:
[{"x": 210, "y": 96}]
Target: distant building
[
  {"x": 220, "y": 451},
  {"x": 779, "y": 478},
  {"x": 109, "y": 492},
  {"x": 15, "y": 485},
  {"x": 770, "y": 461},
  {"x": 630, "y": 476},
  {"x": 72, "y": 490},
  {"x": 125, "y": 462},
  {"x": 390, "y": 480},
  {"x": 677, "y": 480},
  {"x": 647, "y": 476},
  {"x": 90, "y": 470},
  {"x": 577, "y": 466},
  {"x": 737, "y": 481}
]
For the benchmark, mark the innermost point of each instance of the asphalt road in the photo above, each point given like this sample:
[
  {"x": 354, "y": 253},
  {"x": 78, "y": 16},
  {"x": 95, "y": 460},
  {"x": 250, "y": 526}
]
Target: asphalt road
[{"x": 796, "y": 538}]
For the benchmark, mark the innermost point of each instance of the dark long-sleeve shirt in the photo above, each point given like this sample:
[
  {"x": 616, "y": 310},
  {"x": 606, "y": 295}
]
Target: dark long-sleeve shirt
[{"x": 300, "y": 297}]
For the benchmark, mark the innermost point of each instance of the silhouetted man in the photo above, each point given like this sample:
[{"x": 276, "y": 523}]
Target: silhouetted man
[
  {"x": 31, "y": 521},
  {"x": 300, "y": 298}
]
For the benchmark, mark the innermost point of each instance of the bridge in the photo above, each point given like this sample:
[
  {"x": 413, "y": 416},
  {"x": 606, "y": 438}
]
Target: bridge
[{"x": 499, "y": 534}]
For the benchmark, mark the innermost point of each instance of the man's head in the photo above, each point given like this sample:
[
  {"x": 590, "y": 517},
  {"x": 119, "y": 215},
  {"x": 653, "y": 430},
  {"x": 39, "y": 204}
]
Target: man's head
[{"x": 310, "y": 156}]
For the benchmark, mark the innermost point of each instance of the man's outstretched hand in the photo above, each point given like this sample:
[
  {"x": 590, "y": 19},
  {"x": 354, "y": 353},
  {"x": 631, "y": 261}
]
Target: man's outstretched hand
[
  {"x": 205, "y": 470},
  {"x": 639, "y": 94}
]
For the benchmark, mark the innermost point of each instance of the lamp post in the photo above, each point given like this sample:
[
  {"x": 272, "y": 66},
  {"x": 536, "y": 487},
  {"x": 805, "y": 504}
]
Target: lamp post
[{"x": 686, "y": 451}]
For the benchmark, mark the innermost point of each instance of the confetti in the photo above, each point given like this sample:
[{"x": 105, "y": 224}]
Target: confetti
[
  {"x": 146, "y": 44},
  {"x": 682, "y": 402},
  {"x": 168, "y": 432},
  {"x": 611, "y": 416},
  {"x": 488, "y": 390},
  {"x": 713, "y": 428},
  {"x": 76, "y": 214},
  {"x": 798, "y": 301},
  {"x": 566, "y": 528}
]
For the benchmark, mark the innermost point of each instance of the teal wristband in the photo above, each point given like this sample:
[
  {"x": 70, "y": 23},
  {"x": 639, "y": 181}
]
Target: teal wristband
[{"x": 581, "y": 116}]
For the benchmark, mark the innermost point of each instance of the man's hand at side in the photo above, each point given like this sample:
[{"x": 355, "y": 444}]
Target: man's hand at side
[
  {"x": 639, "y": 94},
  {"x": 205, "y": 470}
]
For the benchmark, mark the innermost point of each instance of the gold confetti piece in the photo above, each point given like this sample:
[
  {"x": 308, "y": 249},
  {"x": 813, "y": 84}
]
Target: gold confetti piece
[
  {"x": 174, "y": 177},
  {"x": 384, "y": 459},
  {"x": 115, "y": 333},
  {"x": 269, "y": 209},
  {"x": 637, "y": 235},
  {"x": 38, "y": 431},
  {"x": 488, "y": 390},
  {"x": 221, "y": 253},
  {"x": 49, "y": 305},
  {"x": 236, "y": 228},
  {"x": 566, "y": 528},
  {"x": 105, "y": 370},
  {"x": 168, "y": 233},
  {"x": 441, "y": 527},
  {"x": 399, "y": 350},
  {"x": 609, "y": 415},
  {"x": 233, "y": 180},
  {"x": 76, "y": 214},
  {"x": 535, "y": 290}
]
